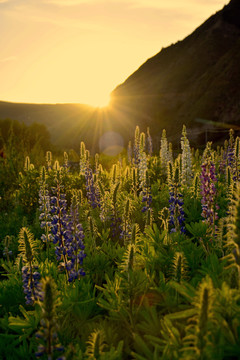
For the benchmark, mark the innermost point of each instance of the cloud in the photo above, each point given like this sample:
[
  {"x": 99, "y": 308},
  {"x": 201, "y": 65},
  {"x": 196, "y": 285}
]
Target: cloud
[{"x": 7, "y": 59}]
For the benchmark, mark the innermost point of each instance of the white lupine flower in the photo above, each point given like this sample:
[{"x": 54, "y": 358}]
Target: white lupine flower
[{"x": 186, "y": 158}]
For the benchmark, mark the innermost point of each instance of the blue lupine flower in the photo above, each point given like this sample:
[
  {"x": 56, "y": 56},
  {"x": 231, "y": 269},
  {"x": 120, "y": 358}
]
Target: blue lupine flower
[
  {"x": 45, "y": 211},
  {"x": 59, "y": 220},
  {"x": 73, "y": 249},
  {"x": 176, "y": 211},
  {"x": 208, "y": 191},
  {"x": 31, "y": 285},
  {"x": 136, "y": 148},
  {"x": 92, "y": 191}
]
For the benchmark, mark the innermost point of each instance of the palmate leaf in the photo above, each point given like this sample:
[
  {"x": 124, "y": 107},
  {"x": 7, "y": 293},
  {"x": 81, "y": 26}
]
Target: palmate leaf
[
  {"x": 77, "y": 310},
  {"x": 163, "y": 339},
  {"x": 10, "y": 269},
  {"x": 197, "y": 229},
  {"x": 180, "y": 315},
  {"x": 112, "y": 299},
  {"x": 144, "y": 351},
  {"x": 185, "y": 289},
  {"x": 155, "y": 237},
  {"x": 11, "y": 348},
  {"x": 213, "y": 267},
  {"x": 113, "y": 353},
  {"x": 169, "y": 341},
  {"x": 11, "y": 294},
  {"x": 228, "y": 313},
  {"x": 26, "y": 325},
  {"x": 150, "y": 321}
]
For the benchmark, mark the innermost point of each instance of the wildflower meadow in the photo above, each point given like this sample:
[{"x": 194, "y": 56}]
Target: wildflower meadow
[{"x": 137, "y": 258}]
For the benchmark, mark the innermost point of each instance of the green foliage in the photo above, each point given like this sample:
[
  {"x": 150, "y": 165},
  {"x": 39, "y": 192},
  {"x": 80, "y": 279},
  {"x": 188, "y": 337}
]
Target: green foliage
[
  {"x": 77, "y": 310},
  {"x": 148, "y": 292},
  {"x": 11, "y": 294}
]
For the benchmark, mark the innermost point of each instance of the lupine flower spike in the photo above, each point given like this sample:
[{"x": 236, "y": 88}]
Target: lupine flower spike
[
  {"x": 6, "y": 251},
  {"x": 92, "y": 189},
  {"x": 208, "y": 188},
  {"x": 233, "y": 233},
  {"x": 73, "y": 239},
  {"x": 83, "y": 159},
  {"x": 186, "y": 158},
  {"x": 136, "y": 145},
  {"x": 164, "y": 152},
  {"x": 146, "y": 193},
  {"x": 176, "y": 219},
  {"x": 47, "y": 335},
  {"x": 59, "y": 219},
  {"x": 30, "y": 275},
  {"x": 49, "y": 160},
  {"x": 45, "y": 210}
]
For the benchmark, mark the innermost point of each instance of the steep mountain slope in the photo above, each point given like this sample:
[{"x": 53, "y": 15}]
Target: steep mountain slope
[{"x": 198, "y": 77}]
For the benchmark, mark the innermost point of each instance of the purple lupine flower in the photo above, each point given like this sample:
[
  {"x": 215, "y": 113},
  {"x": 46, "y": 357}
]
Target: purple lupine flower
[
  {"x": 92, "y": 191},
  {"x": 45, "y": 210},
  {"x": 59, "y": 221},
  {"x": 208, "y": 191},
  {"x": 136, "y": 148},
  {"x": 230, "y": 156},
  {"x": 176, "y": 211},
  {"x": 115, "y": 226},
  {"x": 31, "y": 285},
  {"x": 176, "y": 219},
  {"x": 230, "y": 150},
  {"x": 125, "y": 233},
  {"x": 73, "y": 238},
  {"x": 146, "y": 193},
  {"x": 7, "y": 253}
]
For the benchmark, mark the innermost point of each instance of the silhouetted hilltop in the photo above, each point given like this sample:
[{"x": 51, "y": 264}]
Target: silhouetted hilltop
[{"x": 196, "y": 78}]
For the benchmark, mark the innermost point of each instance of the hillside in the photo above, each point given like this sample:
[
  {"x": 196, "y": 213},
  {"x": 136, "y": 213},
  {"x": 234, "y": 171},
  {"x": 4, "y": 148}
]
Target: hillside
[
  {"x": 196, "y": 78},
  {"x": 65, "y": 122}
]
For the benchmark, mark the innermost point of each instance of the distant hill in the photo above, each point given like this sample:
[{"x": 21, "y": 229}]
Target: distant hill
[
  {"x": 196, "y": 78},
  {"x": 195, "y": 82},
  {"x": 68, "y": 124}
]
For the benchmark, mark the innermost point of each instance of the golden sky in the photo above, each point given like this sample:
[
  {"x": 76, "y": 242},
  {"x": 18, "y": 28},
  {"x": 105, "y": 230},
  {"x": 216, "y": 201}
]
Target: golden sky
[{"x": 59, "y": 51}]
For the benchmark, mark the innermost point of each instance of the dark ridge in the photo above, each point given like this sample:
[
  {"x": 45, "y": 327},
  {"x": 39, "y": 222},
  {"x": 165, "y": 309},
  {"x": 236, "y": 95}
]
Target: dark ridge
[{"x": 196, "y": 78}]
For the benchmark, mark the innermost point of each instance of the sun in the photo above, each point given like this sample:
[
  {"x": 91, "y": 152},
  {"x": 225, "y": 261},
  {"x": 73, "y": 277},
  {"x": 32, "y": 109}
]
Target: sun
[{"x": 99, "y": 100}]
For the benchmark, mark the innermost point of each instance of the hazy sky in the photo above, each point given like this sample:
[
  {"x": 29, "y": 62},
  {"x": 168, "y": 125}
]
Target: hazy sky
[{"x": 80, "y": 50}]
